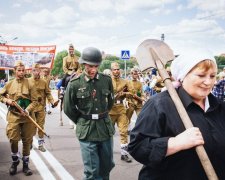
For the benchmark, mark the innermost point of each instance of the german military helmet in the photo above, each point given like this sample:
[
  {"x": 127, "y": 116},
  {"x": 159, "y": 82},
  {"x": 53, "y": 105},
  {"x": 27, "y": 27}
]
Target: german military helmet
[{"x": 91, "y": 56}]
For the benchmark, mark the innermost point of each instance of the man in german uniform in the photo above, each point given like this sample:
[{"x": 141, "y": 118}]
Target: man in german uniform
[
  {"x": 135, "y": 101},
  {"x": 118, "y": 111},
  {"x": 43, "y": 93},
  {"x": 19, "y": 126},
  {"x": 87, "y": 101},
  {"x": 70, "y": 66}
]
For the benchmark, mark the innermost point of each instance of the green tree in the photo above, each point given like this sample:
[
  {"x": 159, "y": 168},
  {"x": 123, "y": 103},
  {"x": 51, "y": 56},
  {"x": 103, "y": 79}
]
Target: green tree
[
  {"x": 106, "y": 64},
  {"x": 111, "y": 58},
  {"x": 2, "y": 74},
  {"x": 220, "y": 60}
]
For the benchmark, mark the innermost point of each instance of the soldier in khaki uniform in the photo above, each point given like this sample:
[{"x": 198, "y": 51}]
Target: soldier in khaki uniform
[
  {"x": 46, "y": 76},
  {"x": 118, "y": 111},
  {"x": 135, "y": 88},
  {"x": 44, "y": 93},
  {"x": 70, "y": 65},
  {"x": 19, "y": 126}
]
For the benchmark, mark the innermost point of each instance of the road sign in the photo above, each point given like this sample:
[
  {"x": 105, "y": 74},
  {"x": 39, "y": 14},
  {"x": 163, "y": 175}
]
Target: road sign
[{"x": 125, "y": 54}]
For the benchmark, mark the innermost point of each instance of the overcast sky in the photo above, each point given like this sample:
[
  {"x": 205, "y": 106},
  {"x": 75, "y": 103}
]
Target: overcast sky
[{"x": 114, "y": 25}]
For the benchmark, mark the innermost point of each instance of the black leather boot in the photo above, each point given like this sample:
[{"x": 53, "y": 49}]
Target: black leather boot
[
  {"x": 15, "y": 163},
  {"x": 27, "y": 171}
]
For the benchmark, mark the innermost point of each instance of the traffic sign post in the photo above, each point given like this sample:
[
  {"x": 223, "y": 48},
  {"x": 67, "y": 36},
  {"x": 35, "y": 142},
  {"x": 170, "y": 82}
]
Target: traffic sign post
[{"x": 125, "y": 55}]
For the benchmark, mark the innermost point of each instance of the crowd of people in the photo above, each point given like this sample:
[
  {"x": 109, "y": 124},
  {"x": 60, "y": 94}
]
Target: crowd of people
[{"x": 97, "y": 102}]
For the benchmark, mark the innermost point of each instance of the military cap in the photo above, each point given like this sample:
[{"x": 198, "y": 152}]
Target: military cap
[
  {"x": 115, "y": 65},
  {"x": 36, "y": 65},
  {"x": 71, "y": 46},
  {"x": 18, "y": 63},
  {"x": 135, "y": 69},
  {"x": 46, "y": 69}
]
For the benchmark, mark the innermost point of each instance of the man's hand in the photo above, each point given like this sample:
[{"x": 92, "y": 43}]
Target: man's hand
[
  {"x": 25, "y": 112},
  {"x": 55, "y": 104}
]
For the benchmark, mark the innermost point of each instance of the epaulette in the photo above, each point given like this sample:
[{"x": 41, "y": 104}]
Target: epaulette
[{"x": 75, "y": 78}]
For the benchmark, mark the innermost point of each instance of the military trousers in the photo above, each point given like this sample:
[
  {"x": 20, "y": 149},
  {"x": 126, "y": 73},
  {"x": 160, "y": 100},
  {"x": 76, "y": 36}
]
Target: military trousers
[
  {"x": 18, "y": 128},
  {"x": 97, "y": 158},
  {"x": 122, "y": 123},
  {"x": 131, "y": 110},
  {"x": 40, "y": 119}
]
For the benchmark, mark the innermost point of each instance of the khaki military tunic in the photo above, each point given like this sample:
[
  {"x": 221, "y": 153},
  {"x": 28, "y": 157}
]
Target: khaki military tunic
[
  {"x": 43, "y": 93},
  {"x": 20, "y": 127},
  {"x": 70, "y": 64},
  {"x": 47, "y": 79},
  {"x": 135, "y": 88},
  {"x": 118, "y": 111}
]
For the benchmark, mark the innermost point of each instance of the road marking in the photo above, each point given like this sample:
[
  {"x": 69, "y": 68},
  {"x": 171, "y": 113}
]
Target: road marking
[
  {"x": 56, "y": 165},
  {"x": 37, "y": 161},
  {"x": 40, "y": 165}
]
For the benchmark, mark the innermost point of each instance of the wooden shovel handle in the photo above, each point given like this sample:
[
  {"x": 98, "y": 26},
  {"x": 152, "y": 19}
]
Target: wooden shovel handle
[{"x": 209, "y": 170}]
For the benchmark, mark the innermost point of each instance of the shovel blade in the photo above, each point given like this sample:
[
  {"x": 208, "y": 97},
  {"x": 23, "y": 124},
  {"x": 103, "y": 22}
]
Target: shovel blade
[{"x": 145, "y": 57}]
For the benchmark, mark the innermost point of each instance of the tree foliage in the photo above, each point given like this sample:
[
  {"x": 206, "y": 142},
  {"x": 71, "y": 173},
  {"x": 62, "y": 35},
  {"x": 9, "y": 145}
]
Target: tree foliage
[
  {"x": 220, "y": 60},
  {"x": 106, "y": 63},
  {"x": 2, "y": 74}
]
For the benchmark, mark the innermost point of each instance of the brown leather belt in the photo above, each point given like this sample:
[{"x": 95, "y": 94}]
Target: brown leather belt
[{"x": 94, "y": 116}]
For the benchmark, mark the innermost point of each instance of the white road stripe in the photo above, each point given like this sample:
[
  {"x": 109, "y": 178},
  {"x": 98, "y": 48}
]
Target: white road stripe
[
  {"x": 56, "y": 165},
  {"x": 41, "y": 167}
]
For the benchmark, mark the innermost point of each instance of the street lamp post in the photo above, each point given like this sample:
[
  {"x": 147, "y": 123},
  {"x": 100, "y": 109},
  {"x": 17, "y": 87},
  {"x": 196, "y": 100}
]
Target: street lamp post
[{"x": 162, "y": 37}]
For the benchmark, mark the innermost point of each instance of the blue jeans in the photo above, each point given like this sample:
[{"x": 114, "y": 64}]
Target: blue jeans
[{"x": 97, "y": 158}]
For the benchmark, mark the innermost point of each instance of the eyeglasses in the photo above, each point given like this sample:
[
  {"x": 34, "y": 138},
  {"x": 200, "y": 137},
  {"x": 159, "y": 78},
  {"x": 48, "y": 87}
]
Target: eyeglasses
[{"x": 116, "y": 69}]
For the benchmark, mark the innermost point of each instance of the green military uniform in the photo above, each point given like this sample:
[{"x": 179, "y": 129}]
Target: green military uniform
[
  {"x": 134, "y": 104},
  {"x": 20, "y": 127},
  {"x": 86, "y": 97},
  {"x": 43, "y": 93},
  {"x": 87, "y": 102},
  {"x": 118, "y": 111}
]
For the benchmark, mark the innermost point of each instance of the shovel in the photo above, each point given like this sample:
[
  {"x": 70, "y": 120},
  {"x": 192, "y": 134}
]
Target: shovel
[{"x": 155, "y": 53}]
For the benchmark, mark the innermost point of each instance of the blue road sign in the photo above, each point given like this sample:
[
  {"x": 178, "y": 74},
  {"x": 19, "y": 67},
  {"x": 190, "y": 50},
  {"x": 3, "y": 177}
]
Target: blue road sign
[{"x": 125, "y": 54}]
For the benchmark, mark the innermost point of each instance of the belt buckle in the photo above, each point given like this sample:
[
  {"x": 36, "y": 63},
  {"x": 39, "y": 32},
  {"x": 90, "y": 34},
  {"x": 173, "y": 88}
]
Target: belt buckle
[{"x": 94, "y": 116}]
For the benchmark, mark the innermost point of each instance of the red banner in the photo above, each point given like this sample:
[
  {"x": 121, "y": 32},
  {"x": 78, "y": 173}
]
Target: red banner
[{"x": 43, "y": 55}]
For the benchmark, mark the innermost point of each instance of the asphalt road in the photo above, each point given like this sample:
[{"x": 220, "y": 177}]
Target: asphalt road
[{"x": 62, "y": 160}]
